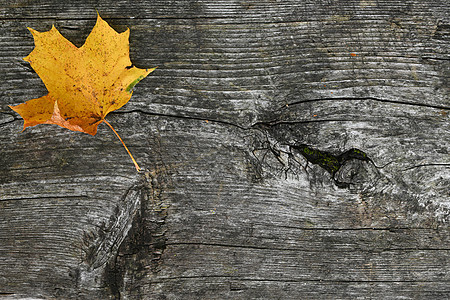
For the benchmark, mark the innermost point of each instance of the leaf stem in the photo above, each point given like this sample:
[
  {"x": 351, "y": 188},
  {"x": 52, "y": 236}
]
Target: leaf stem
[{"x": 129, "y": 153}]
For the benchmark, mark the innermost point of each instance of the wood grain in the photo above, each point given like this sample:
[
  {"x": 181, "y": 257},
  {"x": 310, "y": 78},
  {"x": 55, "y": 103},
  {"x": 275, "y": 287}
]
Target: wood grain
[{"x": 226, "y": 207}]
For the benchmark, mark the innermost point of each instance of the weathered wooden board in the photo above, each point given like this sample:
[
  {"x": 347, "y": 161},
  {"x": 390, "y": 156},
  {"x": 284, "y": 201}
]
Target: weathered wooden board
[{"x": 230, "y": 205}]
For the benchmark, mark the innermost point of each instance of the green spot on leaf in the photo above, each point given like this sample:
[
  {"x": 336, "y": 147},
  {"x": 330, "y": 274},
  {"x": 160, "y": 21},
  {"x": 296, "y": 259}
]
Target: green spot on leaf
[{"x": 131, "y": 85}]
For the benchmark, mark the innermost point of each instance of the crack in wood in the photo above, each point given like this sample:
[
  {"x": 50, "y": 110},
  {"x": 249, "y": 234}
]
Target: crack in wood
[
  {"x": 46, "y": 198},
  {"x": 427, "y": 165},
  {"x": 163, "y": 279},
  {"x": 6, "y": 119},
  {"x": 390, "y": 229},
  {"x": 406, "y": 249},
  {"x": 369, "y": 99},
  {"x": 179, "y": 117}
]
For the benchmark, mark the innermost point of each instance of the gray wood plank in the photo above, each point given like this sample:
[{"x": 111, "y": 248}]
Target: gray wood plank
[{"x": 227, "y": 206}]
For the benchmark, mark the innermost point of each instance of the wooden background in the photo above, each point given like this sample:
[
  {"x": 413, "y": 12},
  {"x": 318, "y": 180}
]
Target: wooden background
[{"x": 227, "y": 207}]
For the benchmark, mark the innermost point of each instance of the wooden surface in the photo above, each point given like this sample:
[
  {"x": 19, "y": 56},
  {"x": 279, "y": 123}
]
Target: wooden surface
[{"x": 228, "y": 206}]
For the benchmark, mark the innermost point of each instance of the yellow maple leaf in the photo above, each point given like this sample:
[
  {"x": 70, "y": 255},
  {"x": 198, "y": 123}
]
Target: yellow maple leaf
[{"x": 84, "y": 84}]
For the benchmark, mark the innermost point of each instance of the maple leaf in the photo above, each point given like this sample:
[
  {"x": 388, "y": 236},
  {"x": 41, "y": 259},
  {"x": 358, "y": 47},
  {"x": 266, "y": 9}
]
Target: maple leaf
[{"x": 84, "y": 84}]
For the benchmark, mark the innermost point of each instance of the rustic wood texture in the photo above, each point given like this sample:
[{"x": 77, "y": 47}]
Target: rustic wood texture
[{"x": 229, "y": 206}]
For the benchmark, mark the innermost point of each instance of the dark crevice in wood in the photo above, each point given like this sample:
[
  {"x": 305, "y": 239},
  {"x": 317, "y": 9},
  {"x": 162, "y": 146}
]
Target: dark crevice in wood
[
  {"x": 66, "y": 27},
  {"x": 435, "y": 58},
  {"x": 178, "y": 117},
  {"x": 406, "y": 249},
  {"x": 427, "y": 165},
  {"x": 255, "y": 125},
  {"x": 162, "y": 280},
  {"x": 370, "y": 99},
  {"x": 37, "y": 167},
  {"x": 8, "y": 122},
  {"x": 390, "y": 229},
  {"x": 47, "y": 198},
  {"x": 14, "y": 118},
  {"x": 277, "y": 122}
]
